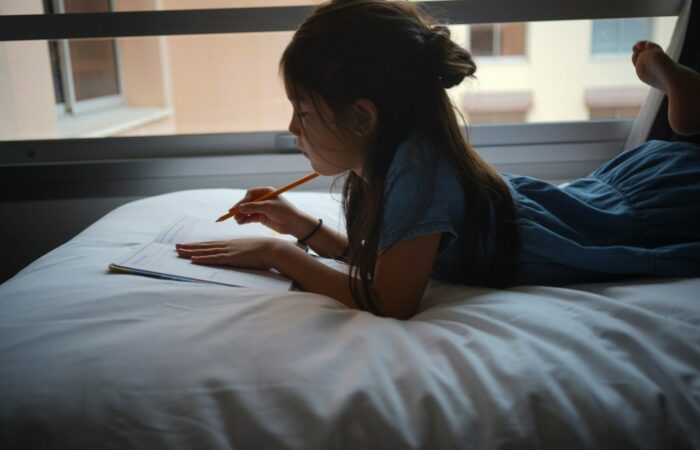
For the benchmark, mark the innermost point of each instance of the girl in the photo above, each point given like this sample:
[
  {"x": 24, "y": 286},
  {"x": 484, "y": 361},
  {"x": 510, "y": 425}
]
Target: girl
[{"x": 367, "y": 81}]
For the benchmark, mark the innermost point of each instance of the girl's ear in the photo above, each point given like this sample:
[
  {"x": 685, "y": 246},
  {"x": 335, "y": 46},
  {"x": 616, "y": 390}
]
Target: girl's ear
[{"x": 366, "y": 117}]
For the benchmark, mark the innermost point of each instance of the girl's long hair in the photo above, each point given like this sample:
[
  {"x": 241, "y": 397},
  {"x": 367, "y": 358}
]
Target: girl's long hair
[{"x": 397, "y": 56}]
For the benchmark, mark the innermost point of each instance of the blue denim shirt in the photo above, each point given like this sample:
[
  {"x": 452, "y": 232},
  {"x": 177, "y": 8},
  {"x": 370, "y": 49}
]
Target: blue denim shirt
[
  {"x": 637, "y": 214},
  {"x": 422, "y": 195}
]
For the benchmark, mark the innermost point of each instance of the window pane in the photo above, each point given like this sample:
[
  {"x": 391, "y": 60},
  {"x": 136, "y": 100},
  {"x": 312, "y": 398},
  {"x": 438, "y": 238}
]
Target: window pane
[
  {"x": 634, "y": 30},
  {"x": 222, "y": 83},
  {"x": 512, "y": 39},
  {"x": 84, "y": 6},
  {"x": 94, "y": 68},
  {"x": 605, "y": 35},
  {"x": 481, "y": 40}
]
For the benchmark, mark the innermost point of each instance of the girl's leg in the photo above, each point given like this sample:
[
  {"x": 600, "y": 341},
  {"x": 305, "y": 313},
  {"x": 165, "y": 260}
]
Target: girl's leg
[{"x": 679, "y": 83}]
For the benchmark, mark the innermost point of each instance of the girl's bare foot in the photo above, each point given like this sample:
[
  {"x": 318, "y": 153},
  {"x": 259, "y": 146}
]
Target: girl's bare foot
[{"x": 679, "y": 83}]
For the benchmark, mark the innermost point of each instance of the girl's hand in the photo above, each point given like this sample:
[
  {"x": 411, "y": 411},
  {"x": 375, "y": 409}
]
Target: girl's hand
[
  {"x": 276, "y": 213},
  {"x": 248, "y": 253}
]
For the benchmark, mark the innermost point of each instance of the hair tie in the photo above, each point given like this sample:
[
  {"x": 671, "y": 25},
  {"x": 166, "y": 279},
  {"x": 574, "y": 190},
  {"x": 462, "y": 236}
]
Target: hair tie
[{"x": 310, "y": 235}]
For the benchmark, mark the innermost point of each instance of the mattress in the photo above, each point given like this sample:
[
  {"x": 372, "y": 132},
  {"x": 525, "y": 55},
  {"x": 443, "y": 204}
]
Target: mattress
[{"x": 94, "y": 359}]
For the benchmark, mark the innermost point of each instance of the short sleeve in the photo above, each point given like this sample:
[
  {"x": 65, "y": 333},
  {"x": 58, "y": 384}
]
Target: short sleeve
[{"x": 421, "y": 196}]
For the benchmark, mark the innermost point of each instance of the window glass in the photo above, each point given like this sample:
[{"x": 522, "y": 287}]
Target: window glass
[
  {"x": 224, "y": 83},
  {"x": 634, "y": 30},
  {"x": 94, "y": 68},
  {"x": 85, "y": 6},
  {"x": 83, "y": 69},
  {"x": 482, "y": 40},
  {"x": 605, "y": 33},
  {"x": 619, "y": 35}
]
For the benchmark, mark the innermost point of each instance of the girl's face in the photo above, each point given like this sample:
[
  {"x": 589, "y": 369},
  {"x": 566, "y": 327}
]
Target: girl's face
[{"x": 319, "y": 139}]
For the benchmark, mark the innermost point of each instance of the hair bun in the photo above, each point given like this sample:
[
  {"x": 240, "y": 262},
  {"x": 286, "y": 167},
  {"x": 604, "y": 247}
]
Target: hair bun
[{"x": 451, "y": 62}]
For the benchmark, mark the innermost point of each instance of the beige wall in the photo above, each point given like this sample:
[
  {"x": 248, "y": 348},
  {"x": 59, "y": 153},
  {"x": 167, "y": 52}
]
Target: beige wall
[
  {"x": 228, "y": 83},
  {"x": 27, "y": 102},
  {"x": 214, "y": 83}
]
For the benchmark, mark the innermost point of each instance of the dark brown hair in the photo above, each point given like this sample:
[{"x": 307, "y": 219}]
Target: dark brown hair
[{"x": 397, "y": 56}]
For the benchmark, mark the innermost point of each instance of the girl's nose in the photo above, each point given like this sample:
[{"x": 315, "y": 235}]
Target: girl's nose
[{"x": 294, "y": 127}]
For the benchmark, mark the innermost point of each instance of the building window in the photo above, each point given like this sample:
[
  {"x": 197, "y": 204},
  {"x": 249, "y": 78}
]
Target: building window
[
  {"x": 500, "y": 39},
  {"x": 619, "y": 35},
  {"x": 85, "y": 71}
]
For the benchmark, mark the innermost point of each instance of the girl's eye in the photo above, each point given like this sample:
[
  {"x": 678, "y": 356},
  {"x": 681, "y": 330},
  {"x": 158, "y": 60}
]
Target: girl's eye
[{"x": 301, "y": 115}]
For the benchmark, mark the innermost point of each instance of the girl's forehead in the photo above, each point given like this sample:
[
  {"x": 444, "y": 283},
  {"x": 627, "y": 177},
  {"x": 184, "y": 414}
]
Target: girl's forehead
[{"x": 299, "y": 97}]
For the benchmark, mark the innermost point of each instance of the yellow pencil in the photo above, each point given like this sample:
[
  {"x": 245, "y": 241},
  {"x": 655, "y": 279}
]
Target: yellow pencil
[{"x": 272, "y": 194}]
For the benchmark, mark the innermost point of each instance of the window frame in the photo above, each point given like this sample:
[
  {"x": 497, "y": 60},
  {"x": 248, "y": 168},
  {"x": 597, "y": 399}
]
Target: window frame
[
  {"x": 529, "y": 148},
  {"x": 71, "y": 105}
]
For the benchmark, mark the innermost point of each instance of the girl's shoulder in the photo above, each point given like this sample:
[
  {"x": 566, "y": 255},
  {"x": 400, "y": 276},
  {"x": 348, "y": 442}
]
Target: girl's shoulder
[
  {"x": 418, "y": 162},
  {"x": 416, "y": 148}
]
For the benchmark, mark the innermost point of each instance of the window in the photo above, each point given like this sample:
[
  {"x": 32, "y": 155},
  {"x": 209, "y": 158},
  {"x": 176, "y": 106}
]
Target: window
[
  {"x": 619, "y": 35},
  {"x": 506, "y": 39},
  {"x": 206, "y": 119},
  {"x": 223, "y": 78},
  {"x": 229, "y": 83},
  {"x": 85, "y": 71}
]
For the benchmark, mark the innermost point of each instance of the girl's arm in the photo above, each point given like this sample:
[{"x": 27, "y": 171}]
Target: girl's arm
[
  {"x": 400, "y": 278},
  {"x": 401, "y": 275},
  {"x": 326, "y": 241}
]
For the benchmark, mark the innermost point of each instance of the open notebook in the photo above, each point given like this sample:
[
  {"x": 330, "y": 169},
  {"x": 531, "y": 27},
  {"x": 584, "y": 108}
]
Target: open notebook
[{"x": 159, "y": 258}]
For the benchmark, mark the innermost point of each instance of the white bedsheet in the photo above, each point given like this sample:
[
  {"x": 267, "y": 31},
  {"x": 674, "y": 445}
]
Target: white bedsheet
[{"x": 91, "y": 359}]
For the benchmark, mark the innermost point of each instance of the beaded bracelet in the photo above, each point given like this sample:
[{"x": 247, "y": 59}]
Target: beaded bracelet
[{"x": 310, "y": 235}]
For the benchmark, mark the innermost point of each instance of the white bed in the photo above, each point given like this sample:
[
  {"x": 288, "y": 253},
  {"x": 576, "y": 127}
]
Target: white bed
[{"x": 92, "y": 359}]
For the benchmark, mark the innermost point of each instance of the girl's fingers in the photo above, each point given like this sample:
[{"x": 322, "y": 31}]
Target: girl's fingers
[
  {"x": 245, "y": 199},
  {"x": 196, "y": 245},
  {"x": 251, "y": 218},
  {"x": 264, "y": 207},
  {"x": 220, "y": 258},
  {"x": 253, "y": 194},
  {"x": 203, "y": 251}
]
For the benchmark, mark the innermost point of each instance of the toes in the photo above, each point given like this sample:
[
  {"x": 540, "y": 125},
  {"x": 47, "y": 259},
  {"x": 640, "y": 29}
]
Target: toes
[{"x": 652, "y": 46}]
